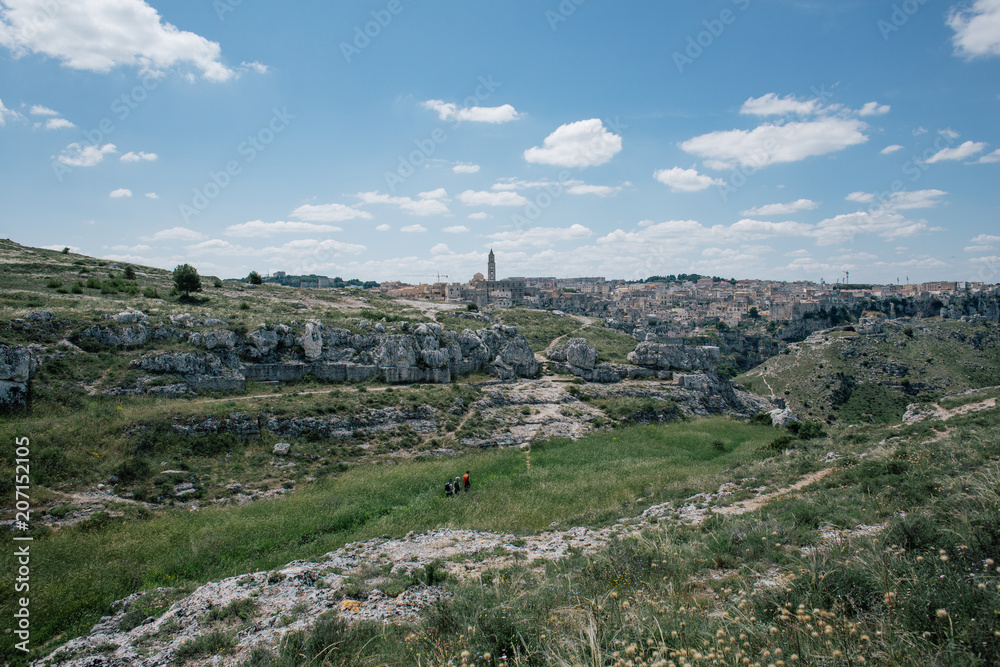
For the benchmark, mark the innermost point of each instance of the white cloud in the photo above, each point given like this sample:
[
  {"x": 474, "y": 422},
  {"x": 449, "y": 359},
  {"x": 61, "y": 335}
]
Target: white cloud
[
  {"x": 679, "y": 179},
  {"x": 762, "y": 229},
  {"x": 979, "y": 248},
  {"x": 39, "y": 110},
  {"x": 968, "y": 149},
  {"x": 455, "y": 229},
  {"x": 782, "y": 209},
  {"x": 152, "y": 195},
  {"x": 411, "y": 229},
  {"x": 889, "y": 150},
  {"x": 986, "y": 239},
  {"x": 383, "y": 228},
  {"x": 449, "y": 111},
  {"x": 329, "y": 213},
  {"x": 773, "y": 144},
  {"x": 56, "y": 246},
  {"x": 75, "y": 155},
  {"x": 257, "y": 67},
  {"x": 949, "y": 133},
  {"x": 6, "y": 113},
  {"x": 886, "y": 224},
  {"x": 585, "y": 143},
  {"x": 874, "y": 109},
  {"x": 100, "y": 35},
  {"x": 772, "y": 105},
  {"x": 429, "y": 203},
  {"x": 177, "y": 234},
  {"x": 990, "y": 158},
  {"x": 473, "y": 198},
  {"x": 259, "y": 228},
  {"x": 58, "y": 124},
  {"x": 861, "y": 197},
  {"x": 977, "y": 29},
  {"x": 120, "y": 193},
  {"x": 481, "y": 215},
  {"x": 599, "y": 190},
  {"x": 465, "y": 168},
  {"x": 902, "y": 201},
  {"x": 538, "y": 237},
  {"x": 440, "y": 249},
  {"x": 139, "y": 157}
]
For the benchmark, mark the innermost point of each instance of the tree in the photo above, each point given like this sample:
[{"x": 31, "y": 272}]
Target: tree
[
  {"x": 754, "y": 313},
  {"x": 186, "y": 279},
  {"x": 129, "y": 273},
  {"x": 254, "y": 278}
]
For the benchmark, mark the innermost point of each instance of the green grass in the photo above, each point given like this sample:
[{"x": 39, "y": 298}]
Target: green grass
[
  {"x": 589, "y": 480},
  {"x": 952, "y": 402},
  {"x": 540, "y": 327},
  {"x": 612, "y": 346}
]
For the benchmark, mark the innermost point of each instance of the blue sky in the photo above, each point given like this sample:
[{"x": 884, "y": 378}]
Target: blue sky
[{"x": 400, "y": 139}]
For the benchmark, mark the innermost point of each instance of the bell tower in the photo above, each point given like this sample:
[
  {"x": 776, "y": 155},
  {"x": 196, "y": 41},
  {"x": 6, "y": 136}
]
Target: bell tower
[{"x": 491, "y": 270}]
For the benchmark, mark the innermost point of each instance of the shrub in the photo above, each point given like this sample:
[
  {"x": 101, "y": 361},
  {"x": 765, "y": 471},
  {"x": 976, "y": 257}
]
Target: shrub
[
  {"x": 52, "y": 283},
  {"x": 129, "y": 272},
  {"x": 254, "y": 278},
  {"x": 207, "y": 644},
  {"x": 217, "y": 283},
  {"x": 65, "y": 251},
  {"x": 472, "y": 308},
  {"x": 151, "y": 293},
  {"x": 806, "y": 430},
  {"x": 93, "y": 283},
  {"x": 761, "y": 419}
]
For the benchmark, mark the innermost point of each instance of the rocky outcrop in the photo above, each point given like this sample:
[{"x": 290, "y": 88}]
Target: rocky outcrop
[
  {"x": 17, "y": 367},
  {"x": 128, "y": 337},
  {"x": 577, "y": 357},
  {"x": 782, "y": 417},
  {"x": 676, "y": 357}
]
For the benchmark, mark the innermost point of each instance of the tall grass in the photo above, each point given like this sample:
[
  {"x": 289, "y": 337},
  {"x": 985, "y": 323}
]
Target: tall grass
[{"x": 80, "y": 573}]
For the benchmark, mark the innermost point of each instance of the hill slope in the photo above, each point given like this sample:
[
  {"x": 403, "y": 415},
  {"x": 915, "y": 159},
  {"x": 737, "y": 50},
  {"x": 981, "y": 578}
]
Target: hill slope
[{"x": 870, "y": 375}]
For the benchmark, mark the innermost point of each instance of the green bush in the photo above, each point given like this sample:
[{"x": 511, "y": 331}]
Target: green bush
[{"x": 151, "y": 293}]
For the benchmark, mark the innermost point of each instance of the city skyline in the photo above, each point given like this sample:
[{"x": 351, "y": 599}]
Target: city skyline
[{"x": 388, "y": 140}]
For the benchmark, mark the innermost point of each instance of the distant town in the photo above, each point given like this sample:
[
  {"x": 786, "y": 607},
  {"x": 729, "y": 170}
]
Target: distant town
[{"x": 683, "y": 301}]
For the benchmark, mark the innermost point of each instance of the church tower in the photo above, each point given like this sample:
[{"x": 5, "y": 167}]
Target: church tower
[{"x": 491, "y": 271}]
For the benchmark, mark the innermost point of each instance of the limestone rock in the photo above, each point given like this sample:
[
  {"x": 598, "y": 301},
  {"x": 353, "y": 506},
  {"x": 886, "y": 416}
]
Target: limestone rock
[
  {"x": 676, "y": 357},
  {"x": 783, "y": 417},
  {"x": 282, "y": 449},
  {"x": 312, "y": 341},
  {"x": 15, "y": 363},
  {"x": 219, "y": 339}
]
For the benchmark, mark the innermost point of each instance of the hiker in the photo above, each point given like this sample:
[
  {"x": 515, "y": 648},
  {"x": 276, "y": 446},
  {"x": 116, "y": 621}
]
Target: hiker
[
  {"x": 458, "y": 485},
  {"x": 467, "y": 482},
  {"x": 448, "y": 488}
]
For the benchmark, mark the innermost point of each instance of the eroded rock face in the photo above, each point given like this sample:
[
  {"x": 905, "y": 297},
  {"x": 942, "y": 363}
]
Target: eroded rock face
[
  {"x": 676, "y": 357},
  {"x": 16, "y": 369},
  {"x": 782, "y": 417},
  {"x": 129, "y": 337},
  {"x": 312, "y": 341}
]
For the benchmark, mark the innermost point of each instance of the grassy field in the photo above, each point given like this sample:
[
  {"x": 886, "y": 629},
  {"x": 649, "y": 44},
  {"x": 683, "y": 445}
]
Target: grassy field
[{"x": 588, "y": 482}]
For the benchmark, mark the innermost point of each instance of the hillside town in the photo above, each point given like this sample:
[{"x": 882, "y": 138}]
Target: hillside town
[{"x": 674, "y": 301}]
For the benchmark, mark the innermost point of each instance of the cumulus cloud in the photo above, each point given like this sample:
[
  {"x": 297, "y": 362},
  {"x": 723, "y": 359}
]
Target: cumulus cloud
[
  {"x": 177, "y": 234},
  {"x": 152, "y": 195},
  {"x": 39, "y": 110},
  {"x": 259, "y": 228},
  {"x": 473, "y": 198},
  {"x": 58, "y": 124},
  {"x": 455, "y": 229},
  {"x": 977, "y": 29},
  {"x": 538, "y": 237},
  {"x": 886, "y": 224},
  {"x": 100, "y": 35},
  {"x": 585, "y": 143},
  {"x": 329, "y": 213},
  {"x": 121, "y": 193},
  {"x": 427, "y": 203},
  {"x": 449, "y": 111},
  {"x": 139, "y": 157},
  {"x": 986, "y": 239},
  {"x": 772, "y": 105},
  {"x": 679, "y": 179},
  {"x": 861, "y": 197},
  {"x": 777, "y": 143},
  {"x": 383, "y": 228},
  {"x": 990, "y": 158},
  {"x": 874, "y": 109},
  {"x": 902, "y": 201},
  {"x": 6, "y": 113},
  {"x": 465, "y": 168},
  {"x": 76, "y": 155},
  {"x": 440, "y": 249},
  {"x": 782, "y": 209},
  {"x": 968, "y": 149},
  {"x": 481, "y": 215},
  {"x": 889, "y": 150},
  {"x": 412, "y": 229}
]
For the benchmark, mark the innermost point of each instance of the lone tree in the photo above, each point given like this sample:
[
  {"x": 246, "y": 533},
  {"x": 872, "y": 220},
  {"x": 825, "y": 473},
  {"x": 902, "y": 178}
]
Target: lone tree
[
  {"x": 129, "y": 273},
  {"x": 186, "y": 279},
  {"x": 254, "y": 278}
]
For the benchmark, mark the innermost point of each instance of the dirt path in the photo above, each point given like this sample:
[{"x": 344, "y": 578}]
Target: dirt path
[{"x": 753, "y": 504}]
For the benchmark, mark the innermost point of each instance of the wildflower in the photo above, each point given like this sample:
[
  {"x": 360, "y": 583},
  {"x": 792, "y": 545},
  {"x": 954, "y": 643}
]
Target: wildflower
[{"x": 942, "y": 613}]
